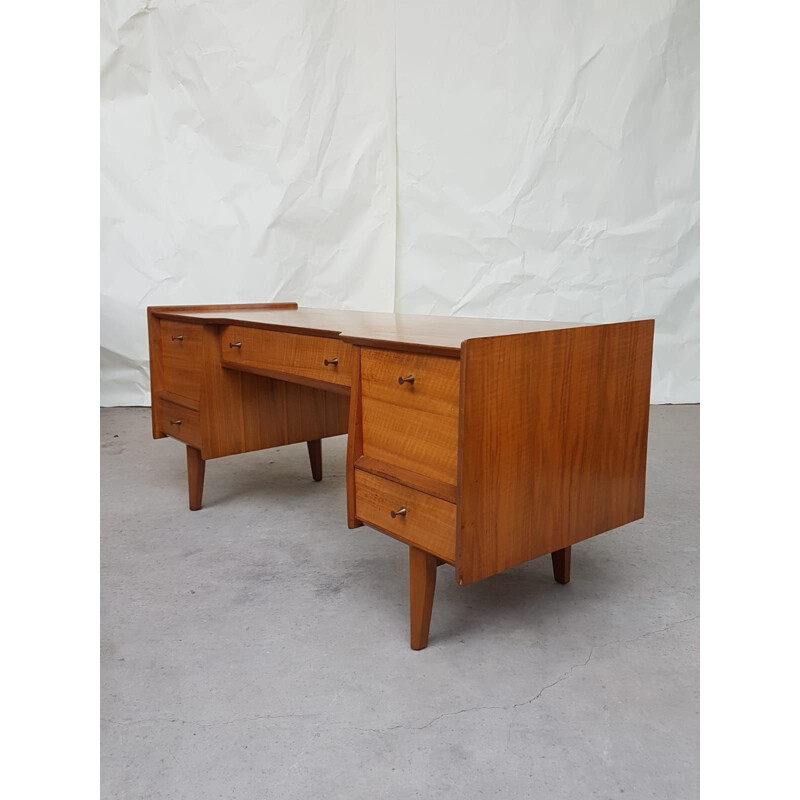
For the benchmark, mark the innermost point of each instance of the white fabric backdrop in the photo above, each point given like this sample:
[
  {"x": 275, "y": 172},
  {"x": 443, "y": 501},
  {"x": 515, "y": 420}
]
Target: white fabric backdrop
[
  {"x": 248, "y": 155},
  {"x": 546, "y": 164}
]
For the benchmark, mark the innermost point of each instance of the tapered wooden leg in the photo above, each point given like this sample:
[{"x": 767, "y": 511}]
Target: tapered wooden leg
[
  {"x": 561, "y": 559},
  {"x": 422, "y": 582},
  {"x": 315, "y": 457},
  {"x": 197, "y": 472}
]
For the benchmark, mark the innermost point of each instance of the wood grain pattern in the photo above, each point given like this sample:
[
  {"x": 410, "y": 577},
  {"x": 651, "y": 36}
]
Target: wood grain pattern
[
  {"x": 196, "y": 473},
  {"x": 181, "y": 312},
  {"x": 440, "y": 489},
  {"x": 429, "y": 523},
  {"x": 181, "y": 346},
  {"x": 355, "y": 440},
  {"x": 178, "y": 400},
  {"x": 287, "y": 355},
  {"x": 411, "y": 333},
  {"x": 223, "y": 412},
  {"x": 245, "y": 412},
  {"x": 553, "y": 441},
  {"x": 180, "y": 422},
  {"x": 182, "y": 386},
  {"x": 413, "y": 426},
  {"x": 156, "y": 370},
  {"x": 422, "y": 585},
  {"x": 515, "y": 439}
]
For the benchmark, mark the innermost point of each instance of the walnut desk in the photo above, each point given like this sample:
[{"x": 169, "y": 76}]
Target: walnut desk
[{"x": 478, "y": 443}]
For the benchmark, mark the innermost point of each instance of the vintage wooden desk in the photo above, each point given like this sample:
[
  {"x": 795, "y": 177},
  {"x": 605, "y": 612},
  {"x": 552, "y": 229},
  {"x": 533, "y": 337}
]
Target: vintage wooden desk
[{"x": 478, "y": 443}]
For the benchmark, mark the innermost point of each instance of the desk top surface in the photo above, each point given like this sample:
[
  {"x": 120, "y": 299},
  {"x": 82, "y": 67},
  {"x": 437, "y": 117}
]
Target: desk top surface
[{"x": 364, "y": 327}]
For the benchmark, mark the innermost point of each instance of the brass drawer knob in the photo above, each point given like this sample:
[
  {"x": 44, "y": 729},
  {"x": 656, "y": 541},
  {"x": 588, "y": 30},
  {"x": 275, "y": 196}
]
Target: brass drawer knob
[
  {"x": 334, "y": 362},
  {"x": 234, "y": 344},
  {"x": 175, "y": 421},
  {"x": 177, "y": 338},
  {"x": 401, "y": 512},
  {"x": 401, "y": 380}
]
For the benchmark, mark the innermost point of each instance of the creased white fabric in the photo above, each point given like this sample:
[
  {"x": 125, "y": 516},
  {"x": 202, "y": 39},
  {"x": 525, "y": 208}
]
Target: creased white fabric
[
  {"x": 546, "y": 164},
  {"x": 248, "y": 155}
]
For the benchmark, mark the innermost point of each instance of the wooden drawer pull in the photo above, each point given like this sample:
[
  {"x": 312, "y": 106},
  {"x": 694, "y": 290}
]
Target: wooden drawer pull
[
  {"x": 175, "y": 421},
  {"x": 401, "y": 512},
  {"x": 401, "y": 380},
  {"x": 235, "y": 344},
  {"x": 177, "y": 338},
  {"x": 334, "y": 362}
]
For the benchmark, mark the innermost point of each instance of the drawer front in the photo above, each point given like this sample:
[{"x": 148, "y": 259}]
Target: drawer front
[
  {"x": 181, "y": 422},
  {"x": 428, "y": 522},
  {"x": 288, "y": 353},
  {"x": 412, "y": 425},
  {"x": 181, "y": 358}
]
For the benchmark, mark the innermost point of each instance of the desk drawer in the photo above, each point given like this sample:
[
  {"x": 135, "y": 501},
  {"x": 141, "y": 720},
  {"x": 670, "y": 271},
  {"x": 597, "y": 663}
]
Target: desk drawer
[
  {"x": 412, "y": 425},
  {"x": 180, "y": 422},
  {"x": 289, "y": 354},
  {"x": 181, "y": 355},
  {"x": 428, "y": 522}
]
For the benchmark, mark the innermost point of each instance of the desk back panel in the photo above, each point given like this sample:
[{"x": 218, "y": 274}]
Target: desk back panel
[{"x": 553, "y": 441}]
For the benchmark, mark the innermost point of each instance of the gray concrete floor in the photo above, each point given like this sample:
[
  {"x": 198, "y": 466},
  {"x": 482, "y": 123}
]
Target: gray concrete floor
[{"x": 259, "y": 649}]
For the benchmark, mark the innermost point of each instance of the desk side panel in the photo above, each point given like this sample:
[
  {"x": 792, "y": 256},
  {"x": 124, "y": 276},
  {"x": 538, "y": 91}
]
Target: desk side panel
[
  {"x": 156, "y": 369},
  {"x": 553, "y": 441},
  {"x": 355, "y": 439}
]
